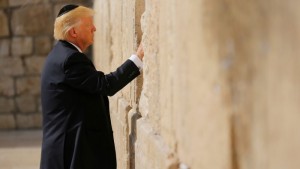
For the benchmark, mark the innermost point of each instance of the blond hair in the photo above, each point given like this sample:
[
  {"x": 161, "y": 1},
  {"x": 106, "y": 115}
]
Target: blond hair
[{"x": 69, "y": 20}]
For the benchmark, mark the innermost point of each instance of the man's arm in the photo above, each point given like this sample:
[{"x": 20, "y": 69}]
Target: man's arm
[{"x": 81, "y": 74}]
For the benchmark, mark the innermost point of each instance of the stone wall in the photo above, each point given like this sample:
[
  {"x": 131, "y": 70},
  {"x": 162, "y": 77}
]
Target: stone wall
[
  {"x": 220, "y": 84},
  {"x": 26, "y": 37}
]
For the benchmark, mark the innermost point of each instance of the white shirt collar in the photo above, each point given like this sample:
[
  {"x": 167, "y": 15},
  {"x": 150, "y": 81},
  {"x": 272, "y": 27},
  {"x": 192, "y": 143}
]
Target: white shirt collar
[{"x": 76, "y": 47}]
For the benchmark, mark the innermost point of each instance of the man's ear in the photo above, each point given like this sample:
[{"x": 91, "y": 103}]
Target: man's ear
[{"x": 72, "y": 33}]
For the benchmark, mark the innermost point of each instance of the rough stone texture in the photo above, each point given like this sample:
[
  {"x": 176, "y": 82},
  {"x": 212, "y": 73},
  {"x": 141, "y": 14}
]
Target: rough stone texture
[
  {"x": 7, "y": 105},
  {"x": 42, "y": 45},
  {"x": 32, "y": 20},
  {"x": 11, "y": 66},
  {"x": 121, "y": 132},
  {"x": 34, "y": 65},
  {"x": 220, "y": 82},
  {"x": 4, "y": 47},
  {"x": 29, "y": 121},
  {"x": 4, "y": 30},
  {"x": 6, "y": 86},
  {"x": 21, "y": 46},
  {"x": 3, "y": 3},
  {"x": 7, "y": 121},
  {"x": 26, "y": 103},
  {"x": 28, "y": 85}
]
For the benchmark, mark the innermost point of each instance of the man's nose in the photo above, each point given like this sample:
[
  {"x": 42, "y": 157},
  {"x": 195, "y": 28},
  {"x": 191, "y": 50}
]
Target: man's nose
[{"x": 94, "y": 28}]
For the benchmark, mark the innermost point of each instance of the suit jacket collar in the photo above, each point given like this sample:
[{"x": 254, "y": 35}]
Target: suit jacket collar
[{"x": 70, "y": 45}]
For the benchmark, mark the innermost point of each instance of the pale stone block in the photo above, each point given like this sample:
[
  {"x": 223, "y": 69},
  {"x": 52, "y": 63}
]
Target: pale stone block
[
  {"x": 7, "y": 86},
  {"x": 34, "y": 65},
  {"x": 4, "y": 47},
  {"x": 102, "y": 44},
  {"x": 42, "y": 45},
  {"x": 21, "y": 46},
  {"x": 120, "y": 128},
  {"x": 28, "y": 85},
  {"x": 4, "y": 29},
  {"x": 26, "y": 103},
  {"x": 151, "y": 152},
  {"x": 151, "y": 71},
  {"x": 32, "y": 20},
  {"x": 11, "y": 66},
  {"x": 7, "y": 121},
  {"x": 29, "y": 121},
  {"x": 6, "y": 105}
]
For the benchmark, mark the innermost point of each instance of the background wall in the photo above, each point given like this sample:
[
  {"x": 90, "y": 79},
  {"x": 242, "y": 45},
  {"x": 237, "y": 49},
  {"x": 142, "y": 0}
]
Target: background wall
[
  {"x": 220, "y": 84},
  {"x": 26, "y": 37}
]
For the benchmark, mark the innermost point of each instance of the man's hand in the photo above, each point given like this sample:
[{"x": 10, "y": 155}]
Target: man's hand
[{"x": 140, "y": 52}]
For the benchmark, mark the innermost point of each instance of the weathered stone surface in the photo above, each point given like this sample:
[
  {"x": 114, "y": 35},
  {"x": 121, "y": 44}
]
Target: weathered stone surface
[
  {"x": 42, "y": 45},
  {"x": 32, "y": 20},
  {"x": 4, "y": 30},
  {"x": 7, "y": 121},
  {"x": 6, "y": 105},
  {"x": 7, "y": 86},
  {"x": 28, "y": 121},
  {"x": 120, "y": 128},
  {"x": 26, "y": 103},
  {"x": 3, "y": 3},
  {"x": 4, "y": 47},
  {"x": 11, "y": 66},
  {"x": 28, "y": 85},
  {"x": 150, "y": 149},
  {"x": 34, "y": 65},
  {"x": 21, "y": 46},
  {"x": 25, "y": 3}
]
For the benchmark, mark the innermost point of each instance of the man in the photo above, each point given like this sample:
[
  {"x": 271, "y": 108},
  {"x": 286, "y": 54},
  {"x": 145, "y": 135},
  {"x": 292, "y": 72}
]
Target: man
[{"x": 77, "y": 132}]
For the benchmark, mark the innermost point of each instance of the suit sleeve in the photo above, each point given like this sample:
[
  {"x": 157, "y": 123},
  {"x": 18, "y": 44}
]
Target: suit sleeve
[{"x": 81, "y": 74}]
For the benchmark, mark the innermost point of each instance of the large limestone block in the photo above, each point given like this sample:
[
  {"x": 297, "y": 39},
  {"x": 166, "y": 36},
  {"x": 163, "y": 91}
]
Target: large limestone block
[
  {"x": 102, "y": 46},
  {"x": 4, "y": 47},
  {"x": 28, "y": 85},
  {"x": 128, "y": 37},
  {"x": 4, "y": 29},
  {"x": 200, "y": 95},
  {"x": 42, "y": 45},
  {"x": 11, "y": 66},
  {"x": 7, "y": 105},
  {"x": 21, "y": 46},
  {"x": 116, "y": 9},
  {"x": 26, "y": 103},
  {"x": 151, "y": 152},
  {"x": 149, "y": 102},
  {"x": 32, "y": 20},
  {"x": 7, "y": 86},
  {"x": 121, "y": 132},
  {"x": 34, "y": 65},
  {"x": 28, "y": 121}
]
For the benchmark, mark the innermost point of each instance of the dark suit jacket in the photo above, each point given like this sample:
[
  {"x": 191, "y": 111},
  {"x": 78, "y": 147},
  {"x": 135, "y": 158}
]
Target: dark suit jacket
[{"x": 77, "y": 132}]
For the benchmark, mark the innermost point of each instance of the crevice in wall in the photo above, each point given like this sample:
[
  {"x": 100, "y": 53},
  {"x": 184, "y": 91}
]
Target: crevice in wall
[
  {"x": 234, "y": 153},
  {"x": 132, "y": 139},
  {"x": 139, "y": 10}
]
